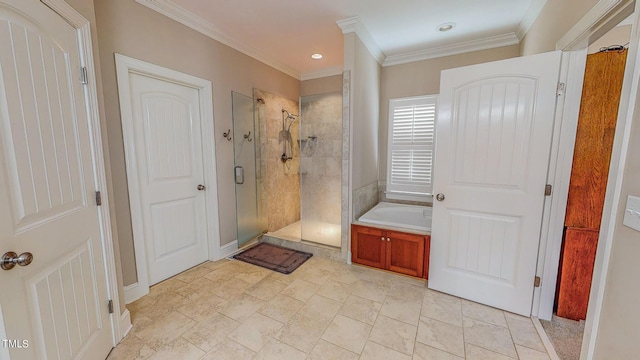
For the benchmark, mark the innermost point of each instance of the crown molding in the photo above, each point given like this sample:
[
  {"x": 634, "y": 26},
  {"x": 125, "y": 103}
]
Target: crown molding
[
  {"x": 354, "y": 25},
  {"x": 530, "y": 16},
  {"x": 330, "y": 71},
  {"x": 175, "y": 12},
  {"x": 453, "y": 49}
]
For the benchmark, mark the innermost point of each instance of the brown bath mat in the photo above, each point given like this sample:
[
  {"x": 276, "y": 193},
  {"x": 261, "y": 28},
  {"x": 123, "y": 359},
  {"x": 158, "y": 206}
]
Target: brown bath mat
[{"x": 273, "y": 257}]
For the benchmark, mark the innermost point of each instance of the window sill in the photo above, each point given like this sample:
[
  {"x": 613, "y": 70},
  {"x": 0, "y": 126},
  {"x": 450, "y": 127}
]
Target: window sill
[{"x": 408, "y": 196}]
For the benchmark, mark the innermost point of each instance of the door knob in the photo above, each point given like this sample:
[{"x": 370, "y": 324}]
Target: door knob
[
  {"x": 201, "y": 187},
  {"x": 440, "y": 197},
  {"x": 10, "y": 259}
]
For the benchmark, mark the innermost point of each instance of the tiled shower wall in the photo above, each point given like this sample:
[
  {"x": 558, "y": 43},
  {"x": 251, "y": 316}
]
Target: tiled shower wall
[
  {"x": 321, "y": 157},
  {"x": 282, "y": 182}
]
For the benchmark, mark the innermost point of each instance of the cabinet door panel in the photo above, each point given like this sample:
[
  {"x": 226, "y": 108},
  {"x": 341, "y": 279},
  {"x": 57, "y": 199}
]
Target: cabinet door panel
[
  {"x": 367, "y": 247},
  {"x": 405, "y": 253}
]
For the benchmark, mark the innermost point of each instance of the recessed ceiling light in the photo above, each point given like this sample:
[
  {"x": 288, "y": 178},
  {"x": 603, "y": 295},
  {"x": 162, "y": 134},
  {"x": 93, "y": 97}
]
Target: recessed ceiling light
[
  {"x": 446, "y": 26},
  {"x": 316, "y": 56}
]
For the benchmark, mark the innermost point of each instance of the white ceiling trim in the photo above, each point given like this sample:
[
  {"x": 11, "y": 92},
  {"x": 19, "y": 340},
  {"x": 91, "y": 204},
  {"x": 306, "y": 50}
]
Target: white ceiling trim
[
  {"x": 354, "y": 25},
  {"x": 453, "y": 49},
  {"x": 530, "y": 17},
  {"x": 169, "y": 9},
  {"x": 332, "y": 71}
]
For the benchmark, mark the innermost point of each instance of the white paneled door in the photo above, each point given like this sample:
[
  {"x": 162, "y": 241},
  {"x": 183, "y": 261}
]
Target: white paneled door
[
  {"x": 166, "y": 121},
  {"x": 494, "y": 132},
  {"x": 56, "y": 306}
]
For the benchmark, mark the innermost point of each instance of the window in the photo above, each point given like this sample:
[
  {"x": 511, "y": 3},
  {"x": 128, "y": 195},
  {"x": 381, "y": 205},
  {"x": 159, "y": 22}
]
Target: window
[{"x": 410, "y": 147}]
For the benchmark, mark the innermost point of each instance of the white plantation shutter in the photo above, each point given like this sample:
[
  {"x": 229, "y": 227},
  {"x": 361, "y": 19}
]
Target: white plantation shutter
[{"x": 410, "y": 154}]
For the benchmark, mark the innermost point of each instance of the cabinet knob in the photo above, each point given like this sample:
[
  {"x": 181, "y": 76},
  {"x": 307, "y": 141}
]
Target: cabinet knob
[{"x": 388, "y": 239}]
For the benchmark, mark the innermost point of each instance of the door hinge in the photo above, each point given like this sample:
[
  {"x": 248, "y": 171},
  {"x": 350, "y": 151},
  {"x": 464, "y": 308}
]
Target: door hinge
[
  {"x": 537, "y": 281},
  {"x": 547, "y": 190},
  {"x": 110, "y": 306},
  {"x": 84, "y": 79},
  {"x": 98, "y": 198},
  {"x": 560, "y": 89}
]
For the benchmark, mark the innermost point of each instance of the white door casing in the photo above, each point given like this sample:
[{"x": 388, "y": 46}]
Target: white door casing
[
  {"x": 494, "y": 130},
  {"x": 167, "y": 123},
  {"x": 50, "y": 168}
]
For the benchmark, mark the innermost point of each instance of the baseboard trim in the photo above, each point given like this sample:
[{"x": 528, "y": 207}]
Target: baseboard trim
[
  {"x": 134, "y": 292},
  {"x": 125, "y": 323},
  {"x": 228, "y": 250},
  {"x": 553, "y": 355}
]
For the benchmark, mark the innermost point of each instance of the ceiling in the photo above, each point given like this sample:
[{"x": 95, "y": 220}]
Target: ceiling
[{"x": 284, "y": 33}]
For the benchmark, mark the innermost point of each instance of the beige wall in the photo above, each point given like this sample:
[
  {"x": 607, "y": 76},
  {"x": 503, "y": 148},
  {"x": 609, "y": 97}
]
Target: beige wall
[
  {"x": 365, "y": 100},
  {"x": 323, "y": 85},
  {"x": 619, "y": 35},
  {"x": 553, "y": 22},
  {"x": 133, "y": 30},
  {"x": 423, "y": 78}
]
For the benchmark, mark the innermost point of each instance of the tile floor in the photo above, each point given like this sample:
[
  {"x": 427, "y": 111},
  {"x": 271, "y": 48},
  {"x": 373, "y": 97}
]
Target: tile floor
[{"x": 324, "y": 310}]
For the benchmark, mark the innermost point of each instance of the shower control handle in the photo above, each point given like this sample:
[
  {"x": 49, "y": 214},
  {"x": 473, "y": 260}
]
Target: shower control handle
[{"x": 440, "y": 197}]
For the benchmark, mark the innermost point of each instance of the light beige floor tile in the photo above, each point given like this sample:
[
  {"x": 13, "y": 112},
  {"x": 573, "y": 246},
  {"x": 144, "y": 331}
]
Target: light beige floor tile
[
  {"x": 335, "y": 290},
  {"x": 370, "y": 290},
  {"x": 302, "y": 332},
  {"x": 314, "y": 275},
  {"x": 255, "y": 332},
  {"x": 347, "y": 333},
  {"x": 281, "y": 308},
  {"x": 441, "y": 335},
  {"x": 489, "y": 336},
  {"x": 402, "y": 309},
  {"x": 164, "y": 330},
  {"x": 178, "y": 349},
  {"x": 425, "y": 352},
  {"x": 193, "y": 273},
  {"x": 394, "y": 334},
  {"x": 230, "y": 288},
  {"x": 409, "y": 290},
  {"x": 197, "y": 288},
  {"x": 320, "y": 308},
  {"x": 276, "y": 350},
  {"x": 345, "y": 275},
  {"x": 267, "y": 288},
  {"x": 253, "y": 275},
  {"x": 524, "y": 333},
  {"x": 228, "y": 349},
  {"x": 131, "y": 348},
  {"x": 361, "y": 309},
  {"x": 203, "y": 307},
  {"x": 241, "y": 307},
  {"x": 442, "y": 307},
  {"x": 326, "y": 350},
  {"x": 300, "y": 289},
  {"x": 525, "y": 353},
  {"x": 165, "y": 286},
  {"x": 373, "y": 351},
  {"x": 478, "y": 353},
  {"x": 483, "y": 313},
  {"x": 157, "y": 307},
  {"x": 207, "y": 333}
]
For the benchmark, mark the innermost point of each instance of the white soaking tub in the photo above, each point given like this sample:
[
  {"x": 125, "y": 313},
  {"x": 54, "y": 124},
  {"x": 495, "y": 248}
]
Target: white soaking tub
[{"x": 399, "y": 215}]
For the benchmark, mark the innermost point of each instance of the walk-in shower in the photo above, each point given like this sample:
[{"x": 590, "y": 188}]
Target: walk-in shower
[{"x": 298, "y": 165}]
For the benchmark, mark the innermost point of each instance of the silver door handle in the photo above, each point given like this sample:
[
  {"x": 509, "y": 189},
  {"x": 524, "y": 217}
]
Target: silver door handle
[
  {"x": 202, "y": 187},
  {"x": 239, "y": 175},
  {"x": 440, "y": 197},
  {"x": 10, "y": 259}
]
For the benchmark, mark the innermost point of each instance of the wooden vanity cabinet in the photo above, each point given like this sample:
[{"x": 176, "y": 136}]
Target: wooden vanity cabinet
[{"x": 401, "y": 252}]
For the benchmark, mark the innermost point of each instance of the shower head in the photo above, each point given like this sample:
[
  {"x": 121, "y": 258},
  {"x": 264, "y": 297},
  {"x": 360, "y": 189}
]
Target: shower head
[{"x": 290, "y": 116}]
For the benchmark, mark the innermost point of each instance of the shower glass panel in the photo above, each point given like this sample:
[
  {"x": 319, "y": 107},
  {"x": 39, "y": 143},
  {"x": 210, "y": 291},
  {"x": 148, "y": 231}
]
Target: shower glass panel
[
  {"x": 250, "y": 204},
  {"x": 321, "y": 168}
]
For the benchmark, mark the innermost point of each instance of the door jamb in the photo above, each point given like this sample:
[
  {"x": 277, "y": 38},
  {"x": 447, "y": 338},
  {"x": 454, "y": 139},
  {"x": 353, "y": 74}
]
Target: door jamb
[
  {"x": 601, "y": 18},
  {"x": 120, "y": 319},
  {"x": 125, "y": 66}
]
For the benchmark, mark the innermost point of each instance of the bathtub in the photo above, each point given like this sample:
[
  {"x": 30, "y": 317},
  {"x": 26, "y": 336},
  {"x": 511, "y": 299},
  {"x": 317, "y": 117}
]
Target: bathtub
[{"x": 399, "y": 215}]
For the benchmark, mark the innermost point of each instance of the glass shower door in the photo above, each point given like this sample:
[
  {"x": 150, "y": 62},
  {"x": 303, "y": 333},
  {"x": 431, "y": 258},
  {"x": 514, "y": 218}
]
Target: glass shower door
[{"x": 252, "y": 220}]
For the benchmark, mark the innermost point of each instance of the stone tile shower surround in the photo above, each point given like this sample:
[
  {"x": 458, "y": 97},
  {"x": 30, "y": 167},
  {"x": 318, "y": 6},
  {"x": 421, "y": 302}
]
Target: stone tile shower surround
[{"x": 283, "y": 179}]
